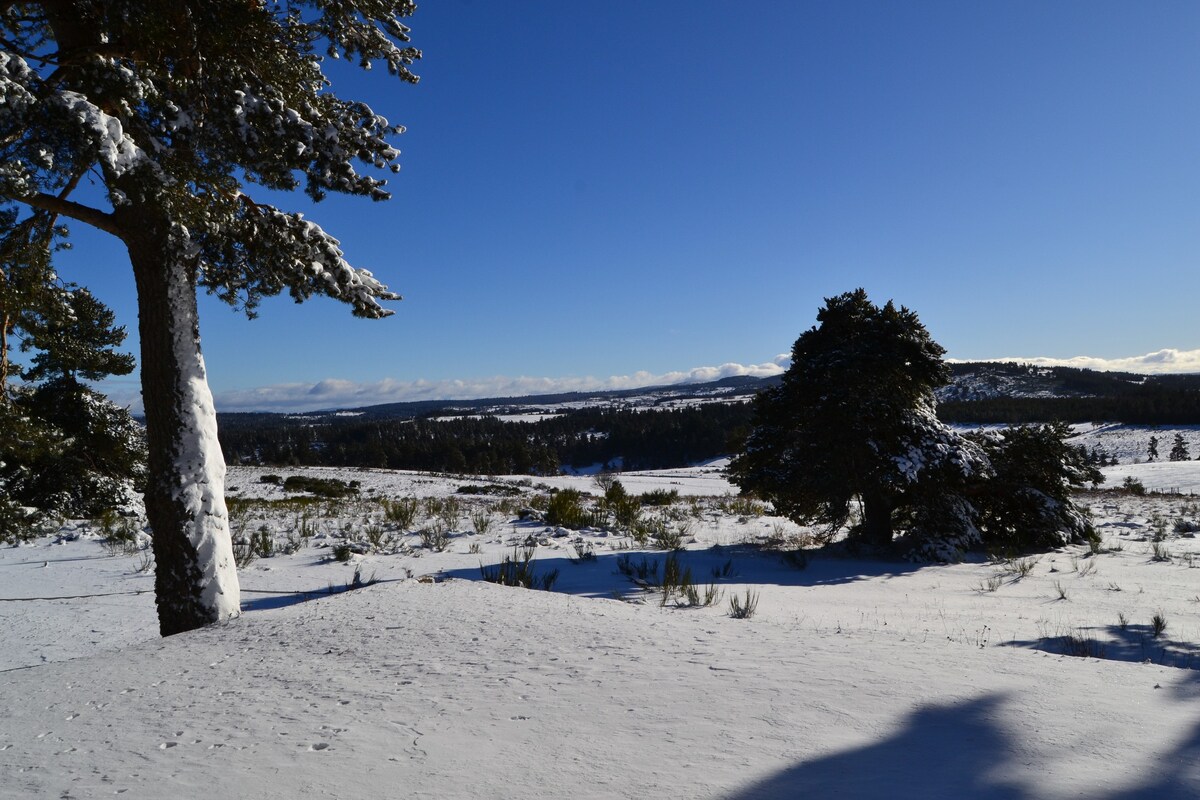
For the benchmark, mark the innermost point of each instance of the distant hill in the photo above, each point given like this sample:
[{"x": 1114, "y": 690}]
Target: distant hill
[
  {"x": 662, "y": 426},
  {"x": 1013, "y": 393}
]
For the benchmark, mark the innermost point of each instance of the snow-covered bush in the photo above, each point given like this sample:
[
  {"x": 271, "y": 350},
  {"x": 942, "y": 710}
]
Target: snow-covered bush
[{"x": 1027, "y": 505}]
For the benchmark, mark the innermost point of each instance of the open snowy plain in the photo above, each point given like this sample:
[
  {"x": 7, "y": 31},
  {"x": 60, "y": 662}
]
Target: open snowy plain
[{"x": 1020, "y": 678}]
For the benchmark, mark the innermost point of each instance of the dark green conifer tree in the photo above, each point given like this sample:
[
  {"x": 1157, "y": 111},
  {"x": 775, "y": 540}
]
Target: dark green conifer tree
[
  {"x": 854, "y": 417},
  {"x": 178, "y": 111}
]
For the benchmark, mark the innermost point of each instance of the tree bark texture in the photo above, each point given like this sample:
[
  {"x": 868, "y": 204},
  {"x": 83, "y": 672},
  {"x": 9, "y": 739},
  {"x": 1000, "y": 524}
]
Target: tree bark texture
[{"x": 195, "y": 575}]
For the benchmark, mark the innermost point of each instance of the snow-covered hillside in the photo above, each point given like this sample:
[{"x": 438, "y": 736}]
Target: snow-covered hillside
[{"x": 854, "y": 678}]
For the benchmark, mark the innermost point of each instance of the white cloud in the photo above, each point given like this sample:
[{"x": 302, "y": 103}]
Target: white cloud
[
  {"x": 337, "y": 393},
  {"x": 1158, "y": 362}
]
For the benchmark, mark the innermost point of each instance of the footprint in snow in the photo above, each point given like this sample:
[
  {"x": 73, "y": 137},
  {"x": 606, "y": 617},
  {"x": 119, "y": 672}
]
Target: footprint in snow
[{"x": 319, "y": 746}]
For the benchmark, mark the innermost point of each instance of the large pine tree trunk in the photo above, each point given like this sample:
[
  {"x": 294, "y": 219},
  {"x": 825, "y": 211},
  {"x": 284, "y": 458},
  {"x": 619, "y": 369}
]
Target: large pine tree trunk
[
  {"x": 196, "y": 580},
  {"x": 877, "y": 518}
]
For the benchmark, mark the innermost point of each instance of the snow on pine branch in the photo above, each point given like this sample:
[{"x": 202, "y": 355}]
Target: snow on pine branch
[
  {"x": 261, "y": 251},
  {"x": 74, "y": 132},
  {"x": 321, "y": 137},
  {"x": 111, "y": 146},
  {"x": 368, "y": 30}
]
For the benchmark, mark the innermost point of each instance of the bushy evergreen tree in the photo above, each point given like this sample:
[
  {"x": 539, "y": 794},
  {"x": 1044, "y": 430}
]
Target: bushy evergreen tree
[
  {"x": 1179, "y": 450},
  {"x": 176, "y": 110},
  {"x": 1026, "y": 504},
  {"x": 854, "y": 417},
  {"x": 65, "y": 449}
]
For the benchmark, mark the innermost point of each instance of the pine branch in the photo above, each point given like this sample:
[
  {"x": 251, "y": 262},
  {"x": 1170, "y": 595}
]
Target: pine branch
[{"x": 60, "y": 206}]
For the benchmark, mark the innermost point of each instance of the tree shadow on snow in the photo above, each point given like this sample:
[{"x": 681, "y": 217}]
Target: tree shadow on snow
[
  {"x": 272, "y": 599},
  {"x": 1135, "y": 643},
  {"x": 961, "y": 751},
  {"x": 739, "y": 565},
  {"x": 950, "y": 751}
]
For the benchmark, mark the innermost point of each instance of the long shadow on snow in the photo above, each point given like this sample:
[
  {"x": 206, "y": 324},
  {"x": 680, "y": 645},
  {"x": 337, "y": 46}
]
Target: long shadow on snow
[
  {"x": 1136, "y": 643},
  {"x": 961, "y": 751},
  {"x": 942, "y": 751},
  {"x": 274, "y": 599},
  {"x": 748, "y": 565}
]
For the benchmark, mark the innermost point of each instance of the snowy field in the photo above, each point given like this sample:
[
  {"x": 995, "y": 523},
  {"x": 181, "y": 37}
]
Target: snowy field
[{"x": 854, "y": 678}]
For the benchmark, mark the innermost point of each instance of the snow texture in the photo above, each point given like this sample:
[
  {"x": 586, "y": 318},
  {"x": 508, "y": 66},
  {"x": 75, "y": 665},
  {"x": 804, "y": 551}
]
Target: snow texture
[
  {"x": 198, "y": 458},
  {"x": 856, "y": 678}
]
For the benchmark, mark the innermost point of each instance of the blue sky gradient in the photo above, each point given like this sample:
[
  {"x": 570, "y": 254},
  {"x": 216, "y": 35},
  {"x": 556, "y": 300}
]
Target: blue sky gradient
[{"x": 597, "y": 190}]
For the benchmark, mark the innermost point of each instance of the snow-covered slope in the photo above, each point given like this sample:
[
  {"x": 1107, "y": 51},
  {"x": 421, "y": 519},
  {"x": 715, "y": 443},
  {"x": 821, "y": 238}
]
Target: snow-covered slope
[
  {"x": 855, "y": 678},
  {"x": 469, "y": 690}
]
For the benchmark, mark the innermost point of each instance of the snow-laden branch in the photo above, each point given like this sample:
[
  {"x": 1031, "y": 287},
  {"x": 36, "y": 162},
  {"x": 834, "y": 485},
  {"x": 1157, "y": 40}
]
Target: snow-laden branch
[{"x": 259, "y": 251}]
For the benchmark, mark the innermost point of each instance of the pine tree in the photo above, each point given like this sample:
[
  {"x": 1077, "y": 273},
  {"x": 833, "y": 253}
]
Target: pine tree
[
  {"x": 1152, "y": 451},
  {"x": 1026, "y": 503},
  {"x": 854, "y": 417},
  {"x": 175, "y": 107},
  {"x": 66, "y": 449},
  {"x": 1179, "y": 450}
]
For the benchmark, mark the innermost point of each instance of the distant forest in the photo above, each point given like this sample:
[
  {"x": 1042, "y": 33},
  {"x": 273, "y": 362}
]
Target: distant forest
[
  {"x": 634, "y": 439},
  {"x": 1151, "y": 404},
  {"x": 427, "y": 437}
]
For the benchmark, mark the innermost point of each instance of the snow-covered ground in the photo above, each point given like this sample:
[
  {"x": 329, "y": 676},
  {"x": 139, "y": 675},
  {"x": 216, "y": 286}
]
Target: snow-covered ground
[{"x": 855, "y": 678}]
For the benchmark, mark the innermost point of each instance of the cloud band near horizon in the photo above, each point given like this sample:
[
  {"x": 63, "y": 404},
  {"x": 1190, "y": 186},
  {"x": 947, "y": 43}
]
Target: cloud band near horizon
[
  {"x": 337, "y": 393},
  {"x": 333, "y": 393},
  {"x": 1160, "y": 362}
]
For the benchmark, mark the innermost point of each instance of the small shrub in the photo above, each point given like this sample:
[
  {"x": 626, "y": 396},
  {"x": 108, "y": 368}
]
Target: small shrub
[
  {"x": 481, "y": 521},
  {"x": 1122, "y": 620},
  {"x": 378, "y": 538},
  {"x": 342, "y": 551},
  {"x": 403, "y": 512},
  {"x": 676, "y": 579},
  {"x": 262, "y": 542},
  {"x": 1019, "y": 568},
  {"x": 292, "y": 544},
  {"x": 743, "y": 507},
  {"x": 1132, "y": 485},
  {"x": 321, "y": 487},
  {"x": 1159, "y": 551},
  {"x": 244, "y": 553},
  {"x": 583, "y": 552},
  {"x": 1060, "y": 591},
  {"x": 565, "y": 509},
  {"x": 1080, "y": 644},
  {"x": 991, "y": 584},
  {"x": 669, "y": 537},
  {"x": 659, "y": 497},
  {"x": 644, "y": 571},
  {"x": 492, "y": 489},
  {"x": 1186, "y": 526},
  {"x": 1158, "y": 624},
  {"x": 605, "y": 480},
  {"x": 517, "y": 570},
  {"x": 626, "y": 510},
  {"x": 743, "y": 608},
  {"x": 693, "y": 598},
  {"x": 449, "y": 513},
  {"x": 120, "y": 534},
  {"x": 435, "y": 537},
  {"x": 274, "y": 480}
]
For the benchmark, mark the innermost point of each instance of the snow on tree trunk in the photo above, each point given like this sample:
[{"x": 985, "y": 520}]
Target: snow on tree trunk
[{"x": 196, "y": 579}]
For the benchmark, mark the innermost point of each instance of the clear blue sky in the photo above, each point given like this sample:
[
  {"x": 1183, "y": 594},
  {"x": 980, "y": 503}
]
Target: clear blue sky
[{"x": 592, "y": 189}]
